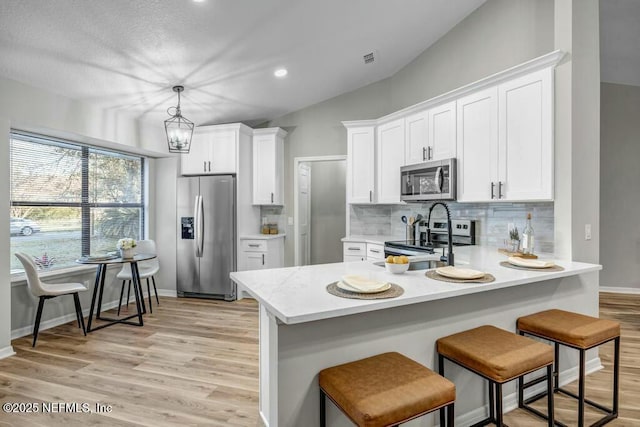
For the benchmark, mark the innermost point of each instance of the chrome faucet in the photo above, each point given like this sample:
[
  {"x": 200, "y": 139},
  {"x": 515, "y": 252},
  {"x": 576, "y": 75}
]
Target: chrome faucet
[{"x": 449, "y": 257}]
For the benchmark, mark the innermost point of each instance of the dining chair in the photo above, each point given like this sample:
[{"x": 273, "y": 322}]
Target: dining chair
[
  {"x": 45, "y": 291},
  {"x": 147, "y": 269}
]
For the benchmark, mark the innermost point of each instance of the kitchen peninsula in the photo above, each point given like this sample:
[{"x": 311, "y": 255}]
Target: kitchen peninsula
[{"x": 304, "y": 329}]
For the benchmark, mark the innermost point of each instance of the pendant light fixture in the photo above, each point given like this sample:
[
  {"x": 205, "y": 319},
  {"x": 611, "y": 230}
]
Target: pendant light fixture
[{"x": 179, "y": 129}]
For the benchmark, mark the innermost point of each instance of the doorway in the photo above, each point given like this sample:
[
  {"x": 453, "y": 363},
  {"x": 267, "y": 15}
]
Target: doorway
[{"x": 319, "y": 209}]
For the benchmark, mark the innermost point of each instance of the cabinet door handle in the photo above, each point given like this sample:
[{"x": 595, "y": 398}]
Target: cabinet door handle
[
  {"x": 499, "y": 189},
  {"x": 493, "y": 195},
  {"x": 429, "y": 153},
  {"x": 209, "y": 166},
  {"x": 262, "y": 259},
  {"x": 353, "y": 249},
  {"x": 424, "y": 153},
  {"x": 272, "y": 198},
  {"x": 204, "y": 166},
  {"x": 375, "y": 251},
  {"x": 254, "y": 245},
  {"x": 370, "y": 196}
]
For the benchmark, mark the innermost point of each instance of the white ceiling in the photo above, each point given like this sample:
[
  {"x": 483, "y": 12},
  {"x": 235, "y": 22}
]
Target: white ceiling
[
  {"x": 620, "y": 41},
  {"x": 127, "y": 54}
]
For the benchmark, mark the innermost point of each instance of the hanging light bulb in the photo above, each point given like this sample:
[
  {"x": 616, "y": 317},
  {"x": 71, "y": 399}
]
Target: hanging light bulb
[{"x": 179, "y": 129}]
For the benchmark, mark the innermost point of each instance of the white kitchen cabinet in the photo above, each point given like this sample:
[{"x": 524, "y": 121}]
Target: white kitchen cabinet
[
  {"x": 259, "y": 253},
  {"x": 360, "y": 163},
  {"x": 268, "y": 166},
  {"x": 431, "y": 134},
  {"x": 354, "y": 251},
  {"x": 375, "y": 252},
  {"x": 442, "y": 132},
  {"x": 390, "y": 156},
  {"x": 416, "y": 138},
  {"x": 505, "y": 141},
  {"x": 525, "y": 137},
  {"x": 213, "y": 151},
  {"x": 477, "y": 145}
]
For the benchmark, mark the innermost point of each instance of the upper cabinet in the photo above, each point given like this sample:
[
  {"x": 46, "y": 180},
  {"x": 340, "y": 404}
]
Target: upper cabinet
[
  {"x": 268, "y": 166},
  {"x": 500, "y": 130},
  {"x": 214, "y": 150},
  {"x": 390, "y": 144},
  {"x": 431, "y": 134},
  {"x": 525, "y": 137},
  {"x": 361, "y": 162},
  {"x": 442, "y": 132},
  {"x": 478, "y": 146},
  {"x": 505, "y": 141},
  {"x": 416, "y": 138}
]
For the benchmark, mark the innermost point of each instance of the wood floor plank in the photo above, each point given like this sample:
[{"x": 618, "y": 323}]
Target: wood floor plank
[{"x": 195, "y": 362}]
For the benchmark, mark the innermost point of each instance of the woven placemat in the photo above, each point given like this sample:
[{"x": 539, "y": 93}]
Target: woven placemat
[
  {"x": 544, "y": 270},
  {"x": 431, "y": 274},
  {"x": 392, "y": 292}
]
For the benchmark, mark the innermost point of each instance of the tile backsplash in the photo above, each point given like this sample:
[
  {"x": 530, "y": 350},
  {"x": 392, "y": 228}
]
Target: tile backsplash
[{"x": 492, "y": 220}]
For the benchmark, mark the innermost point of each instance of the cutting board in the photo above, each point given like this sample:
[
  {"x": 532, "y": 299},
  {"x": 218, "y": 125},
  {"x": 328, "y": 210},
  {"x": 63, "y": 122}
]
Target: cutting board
[{"x": 518, "y": 254}]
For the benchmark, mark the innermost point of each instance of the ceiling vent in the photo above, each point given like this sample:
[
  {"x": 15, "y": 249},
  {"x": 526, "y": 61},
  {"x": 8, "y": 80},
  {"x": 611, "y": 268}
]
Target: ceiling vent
[{"x": 369, "y": 57}]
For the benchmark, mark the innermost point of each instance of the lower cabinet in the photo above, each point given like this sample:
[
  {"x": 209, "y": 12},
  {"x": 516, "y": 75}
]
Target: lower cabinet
[
  {"x": 354, "y": 251},
  {"x": 362, "y": 251},
  {"x": 261, "y": 253}
]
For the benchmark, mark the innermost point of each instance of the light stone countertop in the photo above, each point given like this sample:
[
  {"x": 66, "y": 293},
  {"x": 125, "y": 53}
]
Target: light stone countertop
[
  {"x": 298, "y": 294},
  {"x": 376, "y": 239},
  {"x": 262, "y": 236}
]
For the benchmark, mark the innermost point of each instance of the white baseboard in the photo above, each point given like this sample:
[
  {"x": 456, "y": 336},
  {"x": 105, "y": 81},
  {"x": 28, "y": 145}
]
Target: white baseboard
[
  {"x": 71, "y": 317},
  {"x": 619, "y": 290},
  {"x": 6, "y": 352},
  {"x": 510, "y": 401}
]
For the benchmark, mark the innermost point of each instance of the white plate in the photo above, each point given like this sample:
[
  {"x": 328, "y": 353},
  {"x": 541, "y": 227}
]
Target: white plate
[
  {"x": 459, "y": 273},
  {"x": 529, "y": 263},
  {"x": 346, "y": 287}
]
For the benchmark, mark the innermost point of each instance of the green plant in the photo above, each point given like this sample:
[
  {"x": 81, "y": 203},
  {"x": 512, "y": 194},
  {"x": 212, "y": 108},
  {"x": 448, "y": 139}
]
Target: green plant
[{"x": 513, "y": 234}]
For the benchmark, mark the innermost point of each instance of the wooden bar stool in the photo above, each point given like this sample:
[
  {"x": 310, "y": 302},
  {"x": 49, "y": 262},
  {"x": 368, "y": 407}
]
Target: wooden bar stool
[
  {"x": 385, "y": 390},
  {"x": 581, "y": 333},
  {"x": 498, "y": 356}
]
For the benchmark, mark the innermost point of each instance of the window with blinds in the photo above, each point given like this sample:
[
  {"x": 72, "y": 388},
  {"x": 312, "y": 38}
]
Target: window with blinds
[{"x": 69, "y": 200}]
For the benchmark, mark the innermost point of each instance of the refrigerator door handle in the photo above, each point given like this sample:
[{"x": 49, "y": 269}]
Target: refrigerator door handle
[{"x": 199, "y": 225}]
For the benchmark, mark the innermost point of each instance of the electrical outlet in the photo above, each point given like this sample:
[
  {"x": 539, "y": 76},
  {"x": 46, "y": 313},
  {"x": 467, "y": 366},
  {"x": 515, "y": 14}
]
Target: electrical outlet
[
  {"x": 587, "y": 232},
  {"x": 290, "y": 220},
  {"x": 87, "y": 283}
]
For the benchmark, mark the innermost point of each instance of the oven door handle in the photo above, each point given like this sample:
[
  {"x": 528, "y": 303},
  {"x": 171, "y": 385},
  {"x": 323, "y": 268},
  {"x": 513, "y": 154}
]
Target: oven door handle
[{"x": 439, "y": 179}]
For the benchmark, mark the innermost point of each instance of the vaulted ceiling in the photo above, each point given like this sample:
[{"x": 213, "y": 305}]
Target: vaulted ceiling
[{"x": 127, "y": 54}]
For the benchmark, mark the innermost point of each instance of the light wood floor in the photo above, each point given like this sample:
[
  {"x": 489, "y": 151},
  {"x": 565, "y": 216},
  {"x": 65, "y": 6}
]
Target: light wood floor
[{"x": 195, "y": 362}]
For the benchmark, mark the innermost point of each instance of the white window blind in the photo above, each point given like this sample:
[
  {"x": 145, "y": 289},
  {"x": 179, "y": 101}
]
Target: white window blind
[{"x": 69, "y": 199}]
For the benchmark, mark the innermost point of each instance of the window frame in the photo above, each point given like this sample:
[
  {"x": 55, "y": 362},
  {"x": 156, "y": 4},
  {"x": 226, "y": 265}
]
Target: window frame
[{"x": 84, "y": 205}]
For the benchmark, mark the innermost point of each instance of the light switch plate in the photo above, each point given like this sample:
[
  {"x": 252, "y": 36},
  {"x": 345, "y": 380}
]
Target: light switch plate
[
  {"x": 290, "y": 220},
  {"x": 587, "y": 232}
]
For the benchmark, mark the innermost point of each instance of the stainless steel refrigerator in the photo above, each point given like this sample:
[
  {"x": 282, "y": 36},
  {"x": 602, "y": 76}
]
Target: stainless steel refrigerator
[{"x": 206, "y": 241}]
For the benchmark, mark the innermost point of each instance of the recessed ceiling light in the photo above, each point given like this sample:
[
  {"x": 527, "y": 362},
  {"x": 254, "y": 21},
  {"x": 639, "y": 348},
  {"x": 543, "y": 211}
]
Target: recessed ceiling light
[
  {"x": 281, "y": 72},
  {"x": 199, "y": 1}
]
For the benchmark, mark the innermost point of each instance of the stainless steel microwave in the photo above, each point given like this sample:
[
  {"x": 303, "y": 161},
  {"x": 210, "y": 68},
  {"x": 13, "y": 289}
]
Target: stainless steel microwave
[{"x": 433, "y": 180}]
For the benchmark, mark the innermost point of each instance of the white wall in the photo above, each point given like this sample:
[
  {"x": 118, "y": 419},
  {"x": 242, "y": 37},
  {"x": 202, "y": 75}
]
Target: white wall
[
  {"x": 577, "y": 129},
  {"x": 620, "y": 183},
  {"x": 27, "y": 107}
]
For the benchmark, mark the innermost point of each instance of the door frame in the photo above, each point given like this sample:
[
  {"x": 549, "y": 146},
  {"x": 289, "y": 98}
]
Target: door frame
[{"x": 296, "y": 163}]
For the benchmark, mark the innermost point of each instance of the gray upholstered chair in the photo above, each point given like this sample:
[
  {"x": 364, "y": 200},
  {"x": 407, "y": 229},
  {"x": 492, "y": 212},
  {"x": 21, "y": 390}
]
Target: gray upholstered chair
[
  {"x": 45, "y": 291},
  {"x": 147, "y": 269}
]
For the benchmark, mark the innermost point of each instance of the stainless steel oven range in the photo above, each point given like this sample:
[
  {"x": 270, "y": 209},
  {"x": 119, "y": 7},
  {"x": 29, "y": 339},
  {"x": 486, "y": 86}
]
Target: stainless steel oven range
[{"x": 464, "y": 234}]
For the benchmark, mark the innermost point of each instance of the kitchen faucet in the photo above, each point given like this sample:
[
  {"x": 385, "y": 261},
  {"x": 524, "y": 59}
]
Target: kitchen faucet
[{"x": 449, "y": 257}]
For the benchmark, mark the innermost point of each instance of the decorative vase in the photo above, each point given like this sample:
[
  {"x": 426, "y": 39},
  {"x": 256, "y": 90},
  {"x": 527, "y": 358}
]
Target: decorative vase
[{"x": 127, "y": 253}]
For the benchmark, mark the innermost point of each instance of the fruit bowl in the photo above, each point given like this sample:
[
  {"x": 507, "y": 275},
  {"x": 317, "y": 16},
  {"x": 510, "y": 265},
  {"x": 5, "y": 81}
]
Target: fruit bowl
[{"x": 396, "y": 268}]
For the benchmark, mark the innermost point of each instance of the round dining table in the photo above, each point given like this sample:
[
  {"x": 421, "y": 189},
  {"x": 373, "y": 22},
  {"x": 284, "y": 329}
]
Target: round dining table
[{"x": 98, "y": 289}]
